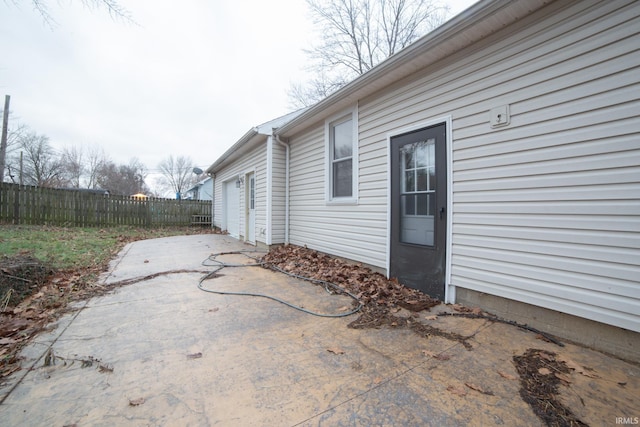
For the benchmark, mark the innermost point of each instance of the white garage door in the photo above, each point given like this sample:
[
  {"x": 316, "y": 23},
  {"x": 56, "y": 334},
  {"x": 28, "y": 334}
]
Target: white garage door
[{"x": 232, "y": 209}]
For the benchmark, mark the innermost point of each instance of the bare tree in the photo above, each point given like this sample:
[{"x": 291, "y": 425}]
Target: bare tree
[
  {"x": 177, "y": 173},
  {"x": 82, "y": 166},
  {"x": 356, "y": 35},
  {"x": 96, "y": 159},
  {"x": 42, "y": 166},
  {"x": 12, "y": 163},
  {"x": 116, "y": 11},
  {"x": 72, "y": 159}
]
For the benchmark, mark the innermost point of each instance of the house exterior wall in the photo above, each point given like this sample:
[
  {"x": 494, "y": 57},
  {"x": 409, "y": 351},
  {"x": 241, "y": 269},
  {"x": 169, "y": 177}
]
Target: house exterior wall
[
  {"x": 278, "y": 197},
  {"x": 354, "y": 231},
  {"x": 205, "y": 192},
  {"x": 254, "y": 161},
  {"x": 202, "y": 191},
  {"x": 545, "y": 210}
]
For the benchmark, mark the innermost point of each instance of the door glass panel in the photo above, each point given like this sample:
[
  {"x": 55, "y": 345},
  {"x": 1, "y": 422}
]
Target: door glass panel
[
  {"x": 432, "y": 179},
  {"x": 409, "y": 182},
  {"x": 407, "y": 158},
  {"x": 421, "y": 156},
  {"x": 252, "y": 193},
  {"x": 422, "y": 204},
  {"x": 417, "y": 163},
  {"x": 408, "y": 205},
  {"x": 422, "y": 180}
]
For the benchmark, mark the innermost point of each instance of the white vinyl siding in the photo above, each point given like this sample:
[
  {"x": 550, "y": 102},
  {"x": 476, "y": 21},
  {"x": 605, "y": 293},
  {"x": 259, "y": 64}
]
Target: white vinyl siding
[
  {"x": 351, "y": 231},
  {"x": 546, "y": 210},
  {"x": 254, "y": 161},
  {"x": 278, "y": 196}
]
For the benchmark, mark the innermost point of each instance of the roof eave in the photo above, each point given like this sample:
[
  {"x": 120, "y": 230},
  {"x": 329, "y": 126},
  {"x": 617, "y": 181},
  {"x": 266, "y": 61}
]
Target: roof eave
[
  {"x": 457, "y": 33},
  {"x": 248, "y": 140}
]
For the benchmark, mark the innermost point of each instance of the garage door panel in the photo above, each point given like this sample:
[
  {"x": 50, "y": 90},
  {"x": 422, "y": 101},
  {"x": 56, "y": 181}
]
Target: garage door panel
[{"x": 232, "y": 209}]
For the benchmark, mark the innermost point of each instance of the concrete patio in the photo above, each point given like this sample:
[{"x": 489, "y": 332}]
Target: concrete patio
[{"x": 161, "y": 352}]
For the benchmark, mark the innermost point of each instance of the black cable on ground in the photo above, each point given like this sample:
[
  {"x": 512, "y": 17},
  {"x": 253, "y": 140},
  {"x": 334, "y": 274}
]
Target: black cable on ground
[
  {"x": 506, "y": 322},
  {"x": 212, "y": 261}
]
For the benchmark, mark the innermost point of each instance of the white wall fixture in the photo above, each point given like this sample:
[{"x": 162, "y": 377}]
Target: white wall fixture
[{"x": 500, "y": 116}]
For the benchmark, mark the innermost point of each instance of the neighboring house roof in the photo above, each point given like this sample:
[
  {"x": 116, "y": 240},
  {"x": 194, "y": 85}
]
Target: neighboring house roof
[
  {"x": 475, "y": 23},
  {"x": 199, "y": 184},
  {"x": 251, "y": 139}
]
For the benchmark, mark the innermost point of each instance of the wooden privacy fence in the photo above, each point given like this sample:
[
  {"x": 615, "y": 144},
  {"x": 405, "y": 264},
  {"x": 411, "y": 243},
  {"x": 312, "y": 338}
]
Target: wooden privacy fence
[{"x": 82, "y": 208}]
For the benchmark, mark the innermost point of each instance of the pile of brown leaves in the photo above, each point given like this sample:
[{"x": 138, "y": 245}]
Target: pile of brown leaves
[
  {"x": 382, "y": 298},
  {"x": 33, "y": 295},
  {"x": 540, "y": 375},
  {"x": 371, "y": 289},
  {"x": 21, "y": 276}
]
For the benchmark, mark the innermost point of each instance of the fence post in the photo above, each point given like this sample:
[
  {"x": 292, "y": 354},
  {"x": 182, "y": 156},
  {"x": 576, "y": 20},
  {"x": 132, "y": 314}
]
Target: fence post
[{"x": 16, "y": 206}]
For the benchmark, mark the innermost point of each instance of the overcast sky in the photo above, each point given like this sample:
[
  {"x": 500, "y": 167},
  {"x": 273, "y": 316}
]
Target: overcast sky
[{"x": 189, "y": 79}]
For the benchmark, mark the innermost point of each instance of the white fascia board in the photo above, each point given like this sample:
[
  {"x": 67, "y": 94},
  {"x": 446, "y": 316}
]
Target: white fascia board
[
  {"x": 236, "y": 150},
  {"x": 249, "y": 140},
  {"x": 473, "y": 24}
]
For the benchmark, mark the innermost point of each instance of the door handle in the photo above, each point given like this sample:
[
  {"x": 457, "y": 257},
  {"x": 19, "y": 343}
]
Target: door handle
[{"x": 441, "y": 212}]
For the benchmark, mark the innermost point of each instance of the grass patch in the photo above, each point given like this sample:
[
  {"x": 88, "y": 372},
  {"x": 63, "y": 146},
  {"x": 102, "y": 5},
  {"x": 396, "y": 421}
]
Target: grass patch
[
  {"x": 75, "y": 248},
  {"x": 45, "y": 268}
]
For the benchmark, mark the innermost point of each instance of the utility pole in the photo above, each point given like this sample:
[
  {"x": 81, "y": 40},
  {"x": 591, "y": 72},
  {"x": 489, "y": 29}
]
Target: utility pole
[{"x": 3, "y": 142}]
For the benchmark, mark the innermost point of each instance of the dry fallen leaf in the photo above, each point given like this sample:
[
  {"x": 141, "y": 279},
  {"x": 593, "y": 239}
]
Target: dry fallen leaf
[
  {"x": 478, "y": 388},
  {"x": 546, "y": 356},
  {"x": 105, "y": 368},
  {"x": 507, "y": 376},
  {"x": 136, "y": 402},
  {"x": 438, "y": 356},
  {"x": 194, "y": 355},
  {"x": 433, "y": 317},
  {"x": 571, "y": 364},
  {"x": 459, "y": 391},
  {"x": 544, "y": 371},
  {"x": 579, "y": 368},
  {"x": 563, "y": 377},
  {"x": 335, "y": 350}
]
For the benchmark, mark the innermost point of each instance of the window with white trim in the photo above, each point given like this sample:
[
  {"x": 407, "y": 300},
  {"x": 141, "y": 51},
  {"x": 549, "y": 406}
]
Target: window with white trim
[{"x": 341, "y": 159}]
